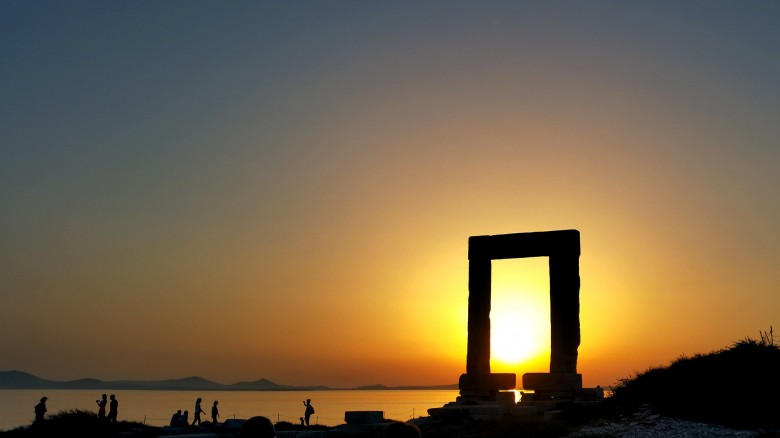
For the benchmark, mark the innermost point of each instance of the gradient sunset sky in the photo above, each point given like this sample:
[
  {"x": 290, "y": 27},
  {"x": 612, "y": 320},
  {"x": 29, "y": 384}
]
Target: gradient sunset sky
[{"x": 285, "y": 189}]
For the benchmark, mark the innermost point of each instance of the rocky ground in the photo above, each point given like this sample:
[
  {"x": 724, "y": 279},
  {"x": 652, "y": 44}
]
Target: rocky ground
[{"x": 645, "y": 424}]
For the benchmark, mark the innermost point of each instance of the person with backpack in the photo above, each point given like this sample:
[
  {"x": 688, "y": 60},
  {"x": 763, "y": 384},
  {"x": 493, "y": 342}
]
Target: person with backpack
[{"x": 308, "y": 412}]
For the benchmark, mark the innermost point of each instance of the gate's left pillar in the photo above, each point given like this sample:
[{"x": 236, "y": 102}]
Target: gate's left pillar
[
  {"x": 478, "y": 340},
  {"x": 479, "y": 383}
]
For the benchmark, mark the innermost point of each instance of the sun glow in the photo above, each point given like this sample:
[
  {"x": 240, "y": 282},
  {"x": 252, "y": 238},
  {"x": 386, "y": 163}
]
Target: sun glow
[
  {"x": 512, "y": 337},
  {"x": 519, "y": 317}
]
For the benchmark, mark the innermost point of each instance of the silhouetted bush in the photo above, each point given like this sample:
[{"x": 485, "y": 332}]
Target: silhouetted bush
[
  {"x": 736, "y": 387},
  {"x": 78, "y": 423}
]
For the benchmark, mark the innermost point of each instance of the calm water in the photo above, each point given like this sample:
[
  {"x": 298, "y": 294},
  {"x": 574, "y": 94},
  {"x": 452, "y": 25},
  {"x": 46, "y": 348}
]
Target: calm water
[{"x": 156, "y": 407}]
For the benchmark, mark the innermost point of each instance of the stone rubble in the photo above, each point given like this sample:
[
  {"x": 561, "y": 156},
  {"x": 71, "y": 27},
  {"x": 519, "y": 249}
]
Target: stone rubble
[{"x": 645, "y": 424}]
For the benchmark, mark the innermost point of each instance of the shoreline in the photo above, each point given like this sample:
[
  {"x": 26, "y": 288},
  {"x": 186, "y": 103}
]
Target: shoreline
[{"x": 640, "y": 423}]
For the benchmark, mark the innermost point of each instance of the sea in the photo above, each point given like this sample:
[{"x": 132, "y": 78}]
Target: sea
[{"x": 155, "y": 408}]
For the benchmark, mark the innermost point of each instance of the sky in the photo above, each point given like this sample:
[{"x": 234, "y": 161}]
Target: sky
[{"x": 285, "y": 189}]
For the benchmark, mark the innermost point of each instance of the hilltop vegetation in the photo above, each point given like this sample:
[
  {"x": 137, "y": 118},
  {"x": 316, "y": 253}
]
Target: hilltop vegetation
[
  {"x": 83, "y": 424},
  {"x": 736, "y": 387}
]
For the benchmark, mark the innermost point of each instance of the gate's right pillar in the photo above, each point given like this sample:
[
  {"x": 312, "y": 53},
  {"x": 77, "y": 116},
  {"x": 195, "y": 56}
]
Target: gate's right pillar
[{"x": 564, "y": 313}]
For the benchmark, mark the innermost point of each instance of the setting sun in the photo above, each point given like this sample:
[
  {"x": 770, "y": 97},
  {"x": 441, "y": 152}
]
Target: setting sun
[{"x": 514, "y": 338}]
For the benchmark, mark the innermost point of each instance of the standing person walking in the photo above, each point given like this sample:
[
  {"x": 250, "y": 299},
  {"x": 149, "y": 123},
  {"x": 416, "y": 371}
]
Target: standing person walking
[
  {"x": 113, "y": 409},
  {"x": 40, "y": 409},
  {"x": 308, "y": 412},
  {"x": 214, "y": 412},
  {"x": 102, "y": 403},
  {"x": 197, "y": 412}
]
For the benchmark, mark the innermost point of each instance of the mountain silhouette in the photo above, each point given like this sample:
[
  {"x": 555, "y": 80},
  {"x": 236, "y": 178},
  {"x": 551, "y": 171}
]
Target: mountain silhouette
[{"x": 21, "y": 380}]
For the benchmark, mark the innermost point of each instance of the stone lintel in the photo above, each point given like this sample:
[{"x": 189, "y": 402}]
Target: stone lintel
[
  {"x": 552, "y": 381},
  {"x": 522, "y": 245},
  {"x": 487, "y": 382}
]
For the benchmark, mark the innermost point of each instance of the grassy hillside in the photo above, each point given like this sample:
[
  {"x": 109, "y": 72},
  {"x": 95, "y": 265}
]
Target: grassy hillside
[{"x": 737, "y": 387}]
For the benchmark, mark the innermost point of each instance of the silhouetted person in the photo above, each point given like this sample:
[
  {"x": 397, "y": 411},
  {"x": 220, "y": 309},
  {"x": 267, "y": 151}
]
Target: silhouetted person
[
  {"x": 398, "y": 429},
  {"x": 258, "y": 427},
  {"x": 185, "y": 418},
  {"x": 102, "y": 403},
  {"x": 113, "y": 409},
  {"x": 40, "y": 409},
  {"x": 176, "y": 419},
  {"x": 308, "y": 412},
  {"x": 214, "y": 412},
  {"x": 302, "y": 422},
  {"x": 198, "y": 410}
]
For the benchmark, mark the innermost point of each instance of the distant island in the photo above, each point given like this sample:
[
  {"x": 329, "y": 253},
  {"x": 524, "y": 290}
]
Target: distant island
[{"x": 21, "y": 380}]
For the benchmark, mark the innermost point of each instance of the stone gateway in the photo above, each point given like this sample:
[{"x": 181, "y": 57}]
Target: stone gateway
[
  {"x": 563, "y": 249},
  {"x": 484, "y": 392}
]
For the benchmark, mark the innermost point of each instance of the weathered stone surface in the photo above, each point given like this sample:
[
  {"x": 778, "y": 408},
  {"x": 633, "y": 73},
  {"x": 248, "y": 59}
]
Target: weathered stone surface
[
  {"x": 505, "y": 397},
  {"x": 476, "y": 395},
  {"x": 542, "y": 405},
  {"x": 552, "y": 381},
  {"x": 490, "y": 410},
  {"x": 524, "y": 411},
  {"x": 487, "y": 382},
  {"x": 451, "y": 412},
  {"x": 553, "y": 415}
]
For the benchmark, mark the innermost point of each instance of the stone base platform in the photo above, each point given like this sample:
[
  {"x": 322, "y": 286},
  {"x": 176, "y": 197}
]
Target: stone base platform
[
  {"x": 481, "y": 410},
  {"x": 559, "y": 387},
  {"x": 575, "y": 395},
  {"x": 502, "y": 404},
  {"x": 496, "y": 410},
  {"x": 552, "y": 381}
]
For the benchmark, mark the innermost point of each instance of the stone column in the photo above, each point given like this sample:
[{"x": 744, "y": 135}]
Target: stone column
[
  {"x": 478, "y": 340},
  {"x": 564, "y": 312}
]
